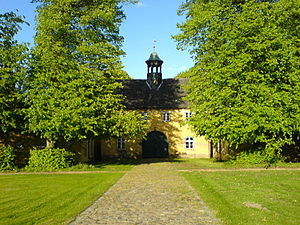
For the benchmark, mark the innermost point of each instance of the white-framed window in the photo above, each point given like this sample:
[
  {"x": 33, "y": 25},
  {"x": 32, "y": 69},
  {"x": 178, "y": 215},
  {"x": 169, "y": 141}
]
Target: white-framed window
[
  {"x": 121, "y": 144},
  {"x": 166, "y": 116},
  {"x": 144, "y": 115},
  {"x": 189, "y": 143},
  {"x": 188, "y": 115}
]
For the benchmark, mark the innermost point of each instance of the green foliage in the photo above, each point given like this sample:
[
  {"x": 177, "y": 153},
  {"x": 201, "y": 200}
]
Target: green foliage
[
  {"x": 49, "y": 159},
  {"x": 245, "y": 85},
  {"x": 13, "y": 58},
  {"x": 183, "y": 74},
  {"x": 7, "y": 158},
  {"x": 263, "y": 157},
  {"x": 73, "y": 93},
  {"x": 82, "y": 166}
]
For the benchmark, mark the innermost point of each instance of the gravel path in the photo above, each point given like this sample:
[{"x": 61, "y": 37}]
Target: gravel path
[{"x": 149, "y": 194}]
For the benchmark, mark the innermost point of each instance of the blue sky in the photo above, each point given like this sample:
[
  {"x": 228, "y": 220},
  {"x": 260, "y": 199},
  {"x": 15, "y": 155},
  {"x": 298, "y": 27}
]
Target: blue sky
[{"x": 146, "y": 21}]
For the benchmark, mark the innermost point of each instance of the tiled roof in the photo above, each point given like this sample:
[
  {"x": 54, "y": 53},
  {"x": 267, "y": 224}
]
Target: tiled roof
[{"x": 168, "y": 96}]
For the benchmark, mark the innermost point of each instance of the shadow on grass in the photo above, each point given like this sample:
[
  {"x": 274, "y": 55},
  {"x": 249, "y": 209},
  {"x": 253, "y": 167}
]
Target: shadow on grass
[
  {"x": 179, "y": 163},
  {"x": 133, "y": 162}
]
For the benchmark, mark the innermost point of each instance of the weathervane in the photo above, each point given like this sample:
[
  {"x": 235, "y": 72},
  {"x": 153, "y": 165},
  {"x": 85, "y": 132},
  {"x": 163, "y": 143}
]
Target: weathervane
[{"x": 154, "y": 45}]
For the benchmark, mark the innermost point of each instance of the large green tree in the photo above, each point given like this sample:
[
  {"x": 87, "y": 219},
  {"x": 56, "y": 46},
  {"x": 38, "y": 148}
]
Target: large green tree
[
  {"x": 245, "y": 85},
  {"x": 73, "y": 93},
  {"x": 13, "y": 59}
]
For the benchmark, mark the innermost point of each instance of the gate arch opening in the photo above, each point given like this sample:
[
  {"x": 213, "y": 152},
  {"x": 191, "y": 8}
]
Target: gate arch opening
[{"x": 155, "y": 145}]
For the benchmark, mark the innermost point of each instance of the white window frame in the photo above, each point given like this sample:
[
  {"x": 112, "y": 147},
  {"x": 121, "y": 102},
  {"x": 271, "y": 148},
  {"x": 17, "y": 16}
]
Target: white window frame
[
  {"x": 188, "y": 115},
  {"x": 121, "y": 144},
  {"x": 166, "y": 116},
  {"x": 189, "y": 142}
]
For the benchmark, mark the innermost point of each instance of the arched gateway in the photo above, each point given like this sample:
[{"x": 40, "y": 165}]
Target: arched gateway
[{"x": 155, "y": 145}]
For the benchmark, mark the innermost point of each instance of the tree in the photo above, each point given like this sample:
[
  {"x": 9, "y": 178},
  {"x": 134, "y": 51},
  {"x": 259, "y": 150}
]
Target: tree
[
  {"x": 73, "y": 93},
  {"x": 13, "y": 59},
  {"x": 245, "y": 85}
]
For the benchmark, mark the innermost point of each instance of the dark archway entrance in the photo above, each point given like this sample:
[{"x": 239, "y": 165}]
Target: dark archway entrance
[{"x": 155, "y": 145}]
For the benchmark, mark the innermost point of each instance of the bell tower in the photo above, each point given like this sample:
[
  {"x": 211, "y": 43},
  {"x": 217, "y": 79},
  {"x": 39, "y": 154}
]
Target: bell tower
[{"x": 154, "y": 74}]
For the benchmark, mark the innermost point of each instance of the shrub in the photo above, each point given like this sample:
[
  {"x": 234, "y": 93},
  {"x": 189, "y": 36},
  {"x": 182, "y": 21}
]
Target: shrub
[
  {"x": 264, "y": 157},
  {"x": 82, "y": 166},
  {"x": 7, "y": 158},
  {"x": 49, "y": 159}
]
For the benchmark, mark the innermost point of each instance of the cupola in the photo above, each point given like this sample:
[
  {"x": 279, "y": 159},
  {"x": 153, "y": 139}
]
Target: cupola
[{"x": 154, "y": 74}]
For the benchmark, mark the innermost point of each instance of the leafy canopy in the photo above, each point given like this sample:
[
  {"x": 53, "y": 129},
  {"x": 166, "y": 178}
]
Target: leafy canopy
[
  {"x": 13, "y": 59},
  {"x": 245, "y": 85},
  {"x": 73, "y": 91}
]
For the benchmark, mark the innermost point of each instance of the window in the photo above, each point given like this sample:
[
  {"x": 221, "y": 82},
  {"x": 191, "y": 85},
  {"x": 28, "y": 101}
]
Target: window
[
  {"x": 188, "y": 115},
  {"x": 189, "y": 143},
  {"x": 144, "y": 115},
  {"x": 121, "y": 144},
  {"x": 166, "y": 116}
]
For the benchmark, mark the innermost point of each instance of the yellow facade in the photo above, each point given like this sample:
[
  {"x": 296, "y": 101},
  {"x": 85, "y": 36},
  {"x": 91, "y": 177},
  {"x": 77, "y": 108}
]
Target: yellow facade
[
  {"x": 176, "y": 131},
  {"x": 168, "y": 134}
]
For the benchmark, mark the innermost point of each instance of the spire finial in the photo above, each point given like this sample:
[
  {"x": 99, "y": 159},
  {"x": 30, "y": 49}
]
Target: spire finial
[{"x": 154, "y": 45}]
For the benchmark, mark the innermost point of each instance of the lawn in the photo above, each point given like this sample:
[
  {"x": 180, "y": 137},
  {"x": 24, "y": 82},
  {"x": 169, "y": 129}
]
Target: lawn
[
  {"x": 110, "y": 165},
  {"x": 49, "y": 199},
  {"x": 187, "y": 164},
  {"x": 237, "y": 197},
  {"x": 250, "y": 197}
]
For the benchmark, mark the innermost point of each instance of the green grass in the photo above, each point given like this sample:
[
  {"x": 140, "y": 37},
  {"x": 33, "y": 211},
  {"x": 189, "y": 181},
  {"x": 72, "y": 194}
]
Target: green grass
[
  {"x": 198, "y": 164},
  {"x": 105, "y": 166},
  {"x": 187, "y": 164},
  {"x": 49, "y": 199},
  {"x": 228, "y": 193}
]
